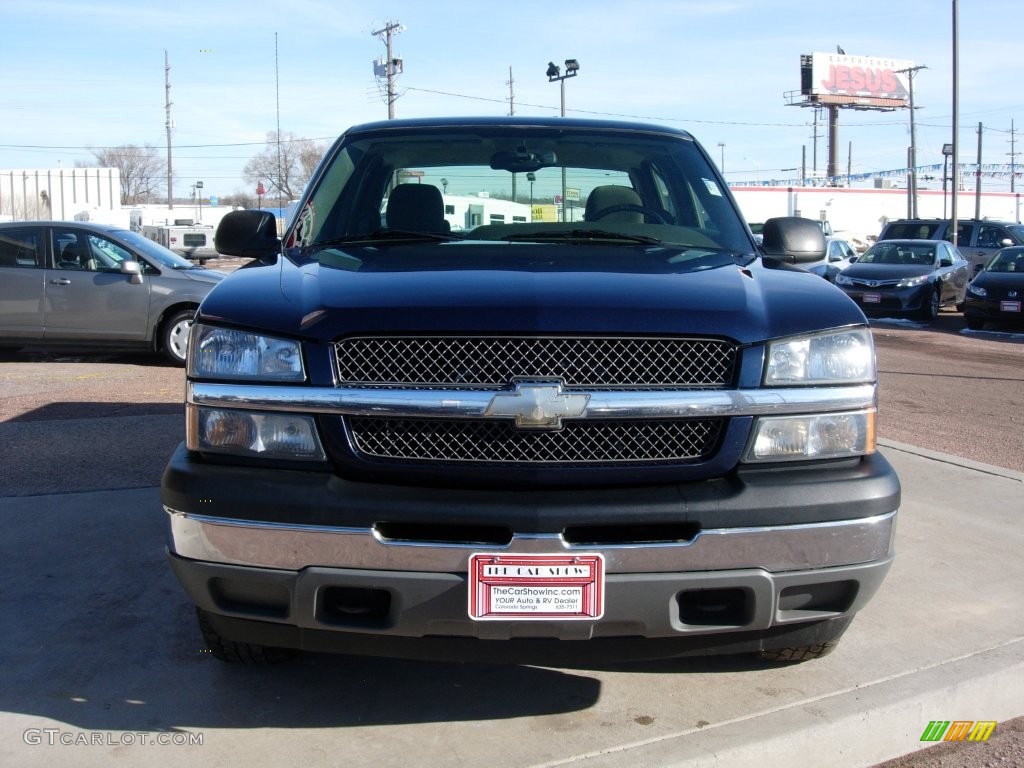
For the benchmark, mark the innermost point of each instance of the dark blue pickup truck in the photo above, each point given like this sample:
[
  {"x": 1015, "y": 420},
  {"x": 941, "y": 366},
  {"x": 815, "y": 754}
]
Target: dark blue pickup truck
[{"x": 526, "y": 389}]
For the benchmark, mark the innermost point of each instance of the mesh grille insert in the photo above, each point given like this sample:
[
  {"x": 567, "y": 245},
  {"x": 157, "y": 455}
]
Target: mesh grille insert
[
  {"x": 578, "y": 442},
  {"x": 487, "y": 362}
]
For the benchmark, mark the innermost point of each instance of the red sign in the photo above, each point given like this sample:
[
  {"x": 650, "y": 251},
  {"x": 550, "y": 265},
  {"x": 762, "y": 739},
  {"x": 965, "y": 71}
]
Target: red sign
[
  {"x": 862, "y": 81},
  {"x": 536, "y": 587},
  {"x": 260, "y": 190}
]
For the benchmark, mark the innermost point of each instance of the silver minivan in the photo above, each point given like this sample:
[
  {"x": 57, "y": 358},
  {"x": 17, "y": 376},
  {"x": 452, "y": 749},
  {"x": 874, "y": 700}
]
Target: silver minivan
[
  {"x": 92, "y": 285},
  {"x": 977, "y": 239}
]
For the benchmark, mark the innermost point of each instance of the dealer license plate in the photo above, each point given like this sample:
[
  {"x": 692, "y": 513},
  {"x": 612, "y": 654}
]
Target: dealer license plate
[
  {"x": 536, "y": 587},
  {"x": 1009, "y": 306},
  {"x": 872, "y": 298}
]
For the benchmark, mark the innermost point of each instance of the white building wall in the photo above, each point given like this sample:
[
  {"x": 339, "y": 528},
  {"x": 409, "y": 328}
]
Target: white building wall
[
  {"x": 59, "y": 193},
  {"x": 862, "y": 212}
]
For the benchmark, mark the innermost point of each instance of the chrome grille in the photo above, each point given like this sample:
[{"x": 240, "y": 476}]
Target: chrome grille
[
  {"x": 490, "y": 362},
  {"x": 874, "y": 283},
  {"x": 578, "y": 442}
]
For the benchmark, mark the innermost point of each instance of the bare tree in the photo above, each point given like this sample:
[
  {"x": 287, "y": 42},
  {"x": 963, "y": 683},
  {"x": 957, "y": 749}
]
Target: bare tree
[
  {"x": 142, "y": 170},
  {"x": 239, "y": 200},
  {"x": 285, "y": 165}
]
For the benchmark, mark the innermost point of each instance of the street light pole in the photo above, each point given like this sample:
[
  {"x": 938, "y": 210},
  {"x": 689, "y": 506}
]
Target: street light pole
[
  {"x": 531, "y": 177},
  {"x": 572, "y": 68},
  {"x": 947, "y": 150}
]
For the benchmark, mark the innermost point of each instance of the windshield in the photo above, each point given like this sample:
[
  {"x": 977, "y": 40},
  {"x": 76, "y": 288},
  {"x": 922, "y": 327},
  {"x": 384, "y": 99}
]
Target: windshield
[
  {"x": 890, "y": 252},
  {"x": 516, "y": 184},
  {"x": 1008, "y": 260},
  {"x": 1017, "y": 230},
  {"x": 155, "y": 251}
]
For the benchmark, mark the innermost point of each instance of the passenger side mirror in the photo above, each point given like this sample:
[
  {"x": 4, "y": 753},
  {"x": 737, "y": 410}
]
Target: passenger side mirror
[
  {"x": 793, "y": 239},
  {"x": 945, "y": 262},
  {"x": 249, "y": 235}
]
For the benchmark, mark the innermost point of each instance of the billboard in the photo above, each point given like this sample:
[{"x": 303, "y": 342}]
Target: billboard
[{"x": 855, "y": 81}]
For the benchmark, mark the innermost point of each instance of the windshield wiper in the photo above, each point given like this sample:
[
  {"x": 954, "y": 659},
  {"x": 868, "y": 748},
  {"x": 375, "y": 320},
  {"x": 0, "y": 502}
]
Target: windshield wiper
[
  {"x": 385, "y": 235},
  {"x": 584, "y": 235}
]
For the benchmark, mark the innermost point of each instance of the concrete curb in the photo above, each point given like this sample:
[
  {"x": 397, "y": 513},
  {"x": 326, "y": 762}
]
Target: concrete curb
[
  {"x": 858, "y": 727},
  {"x": 947, "y": 458}
]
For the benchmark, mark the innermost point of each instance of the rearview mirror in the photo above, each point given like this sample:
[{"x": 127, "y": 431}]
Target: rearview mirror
[{"x": 521, "y": 161}]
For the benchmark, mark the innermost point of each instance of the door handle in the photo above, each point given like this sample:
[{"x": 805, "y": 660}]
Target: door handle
[{"x": 60, "y": 281}]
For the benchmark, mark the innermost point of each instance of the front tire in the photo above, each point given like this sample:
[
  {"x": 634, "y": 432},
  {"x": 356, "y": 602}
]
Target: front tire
[
  {"x": 174, "y": 335},
  {"x": 974, "y": 323},
  {"x": 800, "y": 653},
  {"x": 930, "y": 309},
  {"x": 235, "y": 652}
]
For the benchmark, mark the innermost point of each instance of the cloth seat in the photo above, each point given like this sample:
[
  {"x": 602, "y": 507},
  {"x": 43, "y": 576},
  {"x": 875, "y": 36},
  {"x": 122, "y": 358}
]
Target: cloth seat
[
  {"x": 71, "y": 257},
  {"x": 609, "y": 196},
  {"x": 416, "y": 208}
]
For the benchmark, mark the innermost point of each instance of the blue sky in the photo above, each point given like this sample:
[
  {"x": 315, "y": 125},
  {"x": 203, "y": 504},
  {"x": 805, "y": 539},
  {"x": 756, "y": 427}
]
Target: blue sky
[{"x": 91, "y": 74}]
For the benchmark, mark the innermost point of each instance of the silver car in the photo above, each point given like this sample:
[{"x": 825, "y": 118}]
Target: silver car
[{"x": 91, "y": 285}]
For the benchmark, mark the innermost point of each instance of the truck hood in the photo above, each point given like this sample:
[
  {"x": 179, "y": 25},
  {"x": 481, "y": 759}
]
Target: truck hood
[{"x": 528, "y": 289}]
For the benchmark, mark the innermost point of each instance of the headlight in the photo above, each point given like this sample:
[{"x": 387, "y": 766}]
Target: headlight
[
  {"x": 843, "y": 280},
  {"x": 840, "y": 357},
  {"x": 224, "y": 353},
  {"x": 819, "y": 436},
  {"x": 910, "y": 282},
  {"x": 977, "y": 290},
  {"x": 253, "y": 433}
]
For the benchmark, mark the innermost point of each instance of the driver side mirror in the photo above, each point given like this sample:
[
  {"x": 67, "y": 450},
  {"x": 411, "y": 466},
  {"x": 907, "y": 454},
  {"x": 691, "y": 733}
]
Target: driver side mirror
[{"x": 134, "y": 269}]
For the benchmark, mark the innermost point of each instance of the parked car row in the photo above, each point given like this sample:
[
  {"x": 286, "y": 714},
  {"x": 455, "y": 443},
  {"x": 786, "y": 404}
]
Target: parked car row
[
  {"x": 914, "y": 270},
  {"x": 977, "y": 239}
]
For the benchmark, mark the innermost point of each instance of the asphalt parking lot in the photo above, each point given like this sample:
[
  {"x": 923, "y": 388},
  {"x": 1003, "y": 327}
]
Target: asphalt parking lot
[{"x": 102, "y": 663}]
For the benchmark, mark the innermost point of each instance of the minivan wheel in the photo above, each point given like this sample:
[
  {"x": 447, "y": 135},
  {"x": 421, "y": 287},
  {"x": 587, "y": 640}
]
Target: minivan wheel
[{"x": 174, "y": 340}]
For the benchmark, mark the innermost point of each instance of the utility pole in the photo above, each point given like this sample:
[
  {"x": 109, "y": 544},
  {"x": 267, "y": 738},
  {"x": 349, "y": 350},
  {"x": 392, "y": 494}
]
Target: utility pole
[
  {"x": 511, "y": 93},
  {"x": 814, "y": 153},
  {"x": 977, "y": 179},
  {"x": 1013, "y": 158},
  {"x": 390, "y": 67},
  {"x": 511, "y": 111},
  {"x": 277, "y": 96},
  {"x": 912, "y": 171},
  {"x": 169, "y": 125},
  {"x": 956, "y": 120}
]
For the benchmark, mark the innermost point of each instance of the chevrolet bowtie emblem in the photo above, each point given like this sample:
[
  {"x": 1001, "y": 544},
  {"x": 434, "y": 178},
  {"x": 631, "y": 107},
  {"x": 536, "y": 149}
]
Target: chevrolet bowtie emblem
[{"x": 537, "y": 406}]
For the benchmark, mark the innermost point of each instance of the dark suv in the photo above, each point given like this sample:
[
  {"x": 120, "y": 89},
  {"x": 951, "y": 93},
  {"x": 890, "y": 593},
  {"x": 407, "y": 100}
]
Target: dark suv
[
  {"x": 445, "y": 419},
  {"x": 977, "y": 239}
]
